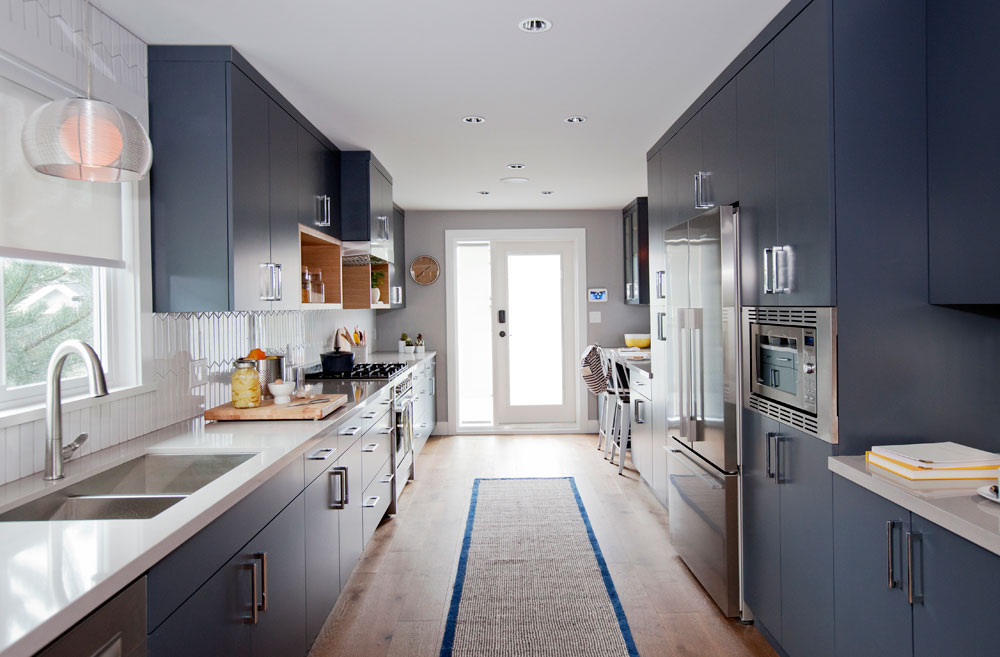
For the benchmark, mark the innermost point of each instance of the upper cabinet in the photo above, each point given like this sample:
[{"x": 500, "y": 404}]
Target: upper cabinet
[
  {"x": 399, "y": 270},
  {"x": 963, "y": 92},
  {"x": 635, "y": 223},
  {"x": 366, "y": 202},
  {"x": 232, "y": 170}
]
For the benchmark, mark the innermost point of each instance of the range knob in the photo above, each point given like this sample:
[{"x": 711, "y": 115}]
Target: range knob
[{"x": 809, "y": 368}]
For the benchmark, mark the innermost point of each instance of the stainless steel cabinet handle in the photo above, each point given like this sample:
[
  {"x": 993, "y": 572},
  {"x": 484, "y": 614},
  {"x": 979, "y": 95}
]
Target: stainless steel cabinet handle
[
  {"x": 321, "y": 454},
  {"x": 328, "y": 212},
  {"x": 276, "y": 281},
  {"x": 322, "y": 210},
  {"x": 383, "y": 227},
  {"x": 638, "y": 412},
  {"x": 910, "y": 595},
  {"x": 777, "y": 458},
  {"x": 340, "y": 472},
  {"x": 701, "y": 199},
  {"x": 254, "y": 613},
  {"x": 768, "y": 464},
  {"x": 782, "y": 269},
  {"x": 350, "y": 431},
  {"x": 370, "y": 415},
  {"x": 270, "y": 281},
  {"x": 263, "y": 579},
  {"x": 347, "y": 486},
  {"x": 387, "y": 479},
  {"x": 628, "y": 290},
  {"x": 660, "y": 275},
  {"x": 768, "y": 268},
  {"x": 370, "y": 448},
  {"x": 697, "y": 190},
  {"x": 370, "y": 502},
  {"x": 659, "y": 327},
  {"x": 890, "y": 568}
]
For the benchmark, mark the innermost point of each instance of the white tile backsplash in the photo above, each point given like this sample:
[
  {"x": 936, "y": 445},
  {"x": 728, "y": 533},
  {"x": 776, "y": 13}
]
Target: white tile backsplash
[{"x": 179, "y": 339}]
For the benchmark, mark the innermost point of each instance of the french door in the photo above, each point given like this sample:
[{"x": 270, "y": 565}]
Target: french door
[{"x": 533, "y": 332}]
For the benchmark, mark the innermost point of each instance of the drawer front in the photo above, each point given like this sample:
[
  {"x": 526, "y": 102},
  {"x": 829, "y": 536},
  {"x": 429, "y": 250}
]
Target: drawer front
[
  {"x": 639, "y": 382},
  {"x": 322, "y": 455},
  {"x": 378, "y": 495},
  {"x": 375, "y": 449}
]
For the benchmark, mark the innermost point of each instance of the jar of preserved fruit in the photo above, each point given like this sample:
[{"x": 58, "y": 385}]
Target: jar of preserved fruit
[{"x": 246, "y": 384}]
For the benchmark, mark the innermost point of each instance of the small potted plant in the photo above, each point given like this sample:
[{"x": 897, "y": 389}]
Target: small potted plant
[
  {"x": 419, "y": 343},
  {"x": 403, "y": 339},
  {"x": 377, "y": 277},
  {"x": 409, "y": 347}
]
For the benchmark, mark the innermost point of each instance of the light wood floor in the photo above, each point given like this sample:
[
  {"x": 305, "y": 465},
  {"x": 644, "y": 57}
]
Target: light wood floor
[{"x": 395, "y": 603}]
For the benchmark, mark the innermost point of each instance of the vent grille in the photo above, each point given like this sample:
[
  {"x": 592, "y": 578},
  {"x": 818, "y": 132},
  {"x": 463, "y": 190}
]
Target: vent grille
[
  {"x": 786, "y": 316},
  {"x": 791, "y": 417}
]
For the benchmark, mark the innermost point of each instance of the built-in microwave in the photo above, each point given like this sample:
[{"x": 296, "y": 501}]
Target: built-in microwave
[{"x": 790, "y": 367}]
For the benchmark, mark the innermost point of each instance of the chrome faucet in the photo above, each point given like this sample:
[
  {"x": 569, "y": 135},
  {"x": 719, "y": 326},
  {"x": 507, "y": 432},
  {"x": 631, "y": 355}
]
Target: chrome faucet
[{"x": 55, "y": 453}]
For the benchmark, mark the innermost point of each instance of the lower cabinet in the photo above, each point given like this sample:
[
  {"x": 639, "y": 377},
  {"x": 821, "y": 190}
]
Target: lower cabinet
[
  {"x": 950, "y": 605},
  {"x": 352, "y": 540},
  {"x": 252, "y": 606},
  {"x": 788, "y": 535},
  {"x": 322, "y": 515},
  {"x": 424, "y": 404},
  {"x": 642, "y": 426}
]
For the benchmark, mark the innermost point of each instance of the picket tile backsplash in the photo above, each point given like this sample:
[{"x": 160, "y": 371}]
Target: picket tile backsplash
[{"x": 181, "y": 342}]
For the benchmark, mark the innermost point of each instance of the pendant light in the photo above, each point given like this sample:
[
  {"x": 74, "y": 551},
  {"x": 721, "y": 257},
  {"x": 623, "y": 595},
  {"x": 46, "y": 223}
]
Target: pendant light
[{"x": 86, "y": 139}]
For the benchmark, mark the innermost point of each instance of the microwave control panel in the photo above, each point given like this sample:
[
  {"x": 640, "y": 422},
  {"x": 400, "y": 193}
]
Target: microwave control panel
[{"x": 809, "y": 365}]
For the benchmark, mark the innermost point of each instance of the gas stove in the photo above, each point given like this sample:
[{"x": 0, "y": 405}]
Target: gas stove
[{"x": 377, "y": 371}]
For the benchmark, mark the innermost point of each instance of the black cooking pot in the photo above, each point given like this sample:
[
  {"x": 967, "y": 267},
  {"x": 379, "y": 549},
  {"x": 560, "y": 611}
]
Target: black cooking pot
[{"x": 337, "y": 362}]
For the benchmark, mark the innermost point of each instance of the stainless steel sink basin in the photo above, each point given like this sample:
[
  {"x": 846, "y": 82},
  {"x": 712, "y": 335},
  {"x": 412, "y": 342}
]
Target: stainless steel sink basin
[{"x": 137, "y": 489}]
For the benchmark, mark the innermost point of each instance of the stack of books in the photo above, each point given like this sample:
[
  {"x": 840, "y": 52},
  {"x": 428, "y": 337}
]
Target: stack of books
[{"x": 935, "y": 461}]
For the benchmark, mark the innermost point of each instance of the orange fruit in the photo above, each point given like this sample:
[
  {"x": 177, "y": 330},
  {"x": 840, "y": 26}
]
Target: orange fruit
[{"x": 257, "y": 354}]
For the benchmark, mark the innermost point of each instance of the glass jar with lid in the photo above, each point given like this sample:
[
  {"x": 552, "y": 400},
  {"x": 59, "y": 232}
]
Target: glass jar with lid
[{"x": 245, "y": 384}]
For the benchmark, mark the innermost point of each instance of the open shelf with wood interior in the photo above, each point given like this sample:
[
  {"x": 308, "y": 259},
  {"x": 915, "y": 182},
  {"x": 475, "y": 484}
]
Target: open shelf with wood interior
[
  {"x": 323, "y": 253},
  {"x": 358, "y": 281}
]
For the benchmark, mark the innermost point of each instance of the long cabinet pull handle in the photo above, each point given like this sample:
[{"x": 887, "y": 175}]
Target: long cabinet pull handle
[
  {"x": 346, "y": 487},
  {"x": 777, "y": 458},
  {"x": 338, "y": 473},
  {"x": 697, "y": 190},
  {"x": 254, "y": 613},
  {"x": 659, "y": 327},
  {"x": 910, "y": 595},
  {"x": 768, "y": 260},
  {"x": 660, "y": 275},
  {"x": 890, "y": 567},
  {"x": 768, "y": 466},
  {"x": 263, "y": 579}
]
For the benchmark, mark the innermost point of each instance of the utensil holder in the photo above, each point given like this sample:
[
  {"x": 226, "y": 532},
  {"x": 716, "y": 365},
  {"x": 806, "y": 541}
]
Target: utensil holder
[{"x": 361, "y": 353}]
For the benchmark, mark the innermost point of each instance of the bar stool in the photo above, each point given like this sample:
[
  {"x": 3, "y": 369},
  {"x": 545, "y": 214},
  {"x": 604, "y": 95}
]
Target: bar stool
[
  {"x": 621, "y": 426},
  {"x": 607, "y": 402}
]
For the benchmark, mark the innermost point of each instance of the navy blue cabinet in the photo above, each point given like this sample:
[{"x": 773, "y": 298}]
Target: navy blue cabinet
[
  {"x": 228, "y": 183},
  {"x": 720, "y": 144},
  {"x": 350, "y": 516},
  {"x": 948, "y": 608},
  {"x": 322, "y": 536},
  {"x": 366, "y": 202},
  {"x": 788, "y": 535},
  {"x": 635, "y": 231},
  {"x": 318, "y": 185},
  {"x": 872, "y": 613},
  {"x": 963, "y": 92},
  {"x": 399, "y": 270}
]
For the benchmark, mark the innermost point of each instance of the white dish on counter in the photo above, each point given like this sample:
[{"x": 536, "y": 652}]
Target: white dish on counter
[{"x": 988, "y": 494}]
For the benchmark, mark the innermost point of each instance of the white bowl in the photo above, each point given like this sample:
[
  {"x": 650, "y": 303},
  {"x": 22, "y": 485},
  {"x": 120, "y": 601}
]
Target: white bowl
[{"x": 282, "y": 391}]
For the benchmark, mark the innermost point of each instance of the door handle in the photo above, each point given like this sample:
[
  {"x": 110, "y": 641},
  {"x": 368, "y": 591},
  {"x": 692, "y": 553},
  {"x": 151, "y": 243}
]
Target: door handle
[
  {"x": 270, "y": 281},
  {"x": 701, "y": 201},
  {"x": 638, "y": 412},
  {"x": 769, "y": 284},
  {"x": 783, "y": 264},
  {"x": 660, "y": 275},
  {"x": 776, "y": 467},
  {"x": 262, "y": 556},
  {"x": 254, "y": 612},
  {"x": 768, "y": 463},
  {"x": 659, "y": 327},
  {"x": 628, "y": 291},
  {"x": 337, "y": 472},
  {"x": 502, "y": 317},
  {"x": 890, "y": 567},
  {"x": 910, "y": 595}
]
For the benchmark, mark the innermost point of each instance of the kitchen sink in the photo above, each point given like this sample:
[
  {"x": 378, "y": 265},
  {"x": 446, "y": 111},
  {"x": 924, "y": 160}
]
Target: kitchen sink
[{"x": 137, "y": 489}]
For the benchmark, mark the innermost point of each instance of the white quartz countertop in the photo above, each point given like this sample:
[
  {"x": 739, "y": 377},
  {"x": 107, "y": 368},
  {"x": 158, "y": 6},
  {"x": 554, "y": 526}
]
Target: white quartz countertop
[
  {"x": 628, "y": 358},
  {"x": 963, "y": 512},
  {"x": 57, "y": 572}
]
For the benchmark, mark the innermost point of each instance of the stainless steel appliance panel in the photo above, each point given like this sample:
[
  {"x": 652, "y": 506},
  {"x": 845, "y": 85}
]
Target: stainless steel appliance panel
[{"x": 704, "y": 525}]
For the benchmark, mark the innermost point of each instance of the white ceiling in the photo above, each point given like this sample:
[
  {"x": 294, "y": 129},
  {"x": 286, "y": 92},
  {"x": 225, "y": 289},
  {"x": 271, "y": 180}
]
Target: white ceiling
[{"x": 397, "y": 76}]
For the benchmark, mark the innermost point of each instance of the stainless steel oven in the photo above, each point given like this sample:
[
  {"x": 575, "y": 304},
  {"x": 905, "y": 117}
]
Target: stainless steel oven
[
  {"x": 403, "y": 465},
  {"x": 790, "y": 367}
]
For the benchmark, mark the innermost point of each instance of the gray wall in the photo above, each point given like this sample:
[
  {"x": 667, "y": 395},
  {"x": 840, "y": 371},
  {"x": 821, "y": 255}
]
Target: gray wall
[{"x": 425, "y": 306}]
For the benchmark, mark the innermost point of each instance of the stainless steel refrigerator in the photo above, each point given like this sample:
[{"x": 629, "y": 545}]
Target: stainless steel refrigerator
[{"x": 700, "y": 359}]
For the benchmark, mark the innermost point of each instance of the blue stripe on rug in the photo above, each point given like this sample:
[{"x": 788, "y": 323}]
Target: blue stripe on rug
[{"x": 456, "y": 599}]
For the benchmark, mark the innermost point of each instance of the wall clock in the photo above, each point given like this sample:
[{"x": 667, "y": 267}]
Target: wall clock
[{"x": 424, "y": 270}]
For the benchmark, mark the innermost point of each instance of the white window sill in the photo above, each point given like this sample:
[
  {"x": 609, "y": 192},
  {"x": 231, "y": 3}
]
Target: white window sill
[{"x": 14, "y": 416}]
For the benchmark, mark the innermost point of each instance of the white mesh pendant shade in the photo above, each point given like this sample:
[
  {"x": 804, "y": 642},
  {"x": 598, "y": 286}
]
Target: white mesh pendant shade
[{"x": 86, "y": 139}]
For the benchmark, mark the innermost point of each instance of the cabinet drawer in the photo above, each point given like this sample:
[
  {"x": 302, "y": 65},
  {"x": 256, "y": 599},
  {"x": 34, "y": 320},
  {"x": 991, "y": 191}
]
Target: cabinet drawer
[
  {"x": 323, "y": 454},
  {"x": 378, "y": 494},
  {"x": 375, "y": 450}
]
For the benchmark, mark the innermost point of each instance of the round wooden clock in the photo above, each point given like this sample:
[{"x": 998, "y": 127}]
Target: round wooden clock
[{"x": 424, "y": 270}]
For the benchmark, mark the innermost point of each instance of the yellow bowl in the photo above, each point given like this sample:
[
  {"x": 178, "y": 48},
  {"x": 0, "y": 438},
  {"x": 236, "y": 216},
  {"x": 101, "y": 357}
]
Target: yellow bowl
[{"x": 640, "y": 340}]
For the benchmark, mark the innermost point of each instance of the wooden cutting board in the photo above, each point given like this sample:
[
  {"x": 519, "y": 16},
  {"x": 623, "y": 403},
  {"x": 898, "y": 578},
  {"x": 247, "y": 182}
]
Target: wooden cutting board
[{"x": 269, "y": 411}]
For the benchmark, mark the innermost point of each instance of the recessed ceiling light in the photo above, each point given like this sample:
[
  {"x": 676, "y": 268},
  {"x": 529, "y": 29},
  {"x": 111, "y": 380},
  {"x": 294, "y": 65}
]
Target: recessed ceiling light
[
  {"x": 546, "y": 192},
  {"x": 484, "y": 193},
  {"x": 535, "y": 25},
  {"x": 473, "y": 119},
  {"x": 515, "y": 166},
  {"x": 514, "y": 179},
  {"x": 575, "y": 119}
]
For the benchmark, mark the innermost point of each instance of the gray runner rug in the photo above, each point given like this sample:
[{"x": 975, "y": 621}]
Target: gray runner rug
[{"x": 531, "y": 579}]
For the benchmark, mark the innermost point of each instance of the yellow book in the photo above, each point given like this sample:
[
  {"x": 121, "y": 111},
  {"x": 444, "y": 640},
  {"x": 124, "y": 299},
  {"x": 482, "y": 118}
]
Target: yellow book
[{"x": 925, "y": 474}]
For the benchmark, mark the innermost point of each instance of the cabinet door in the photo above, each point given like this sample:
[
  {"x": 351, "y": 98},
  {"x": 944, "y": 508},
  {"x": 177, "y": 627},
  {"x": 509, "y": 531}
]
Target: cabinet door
[
  {"x": 250, "y": 194},
  {"x": 872, "y": 613},
  {"x": 284, "y": 203},
  {"x": 281, "y": 628},
  {"x": 761, "y": 523},
  {"x": 399, "y": 269},
  {"x": 963, "y": 92},
  {"x": 661, "y": 361},
  {"x": 804, "y": 143},
  {"x": 635, "y": 230},
  {"x": 322, "y": 550},
  {"x": 755, "y": 160},
  {"x": 719, "y": 139},
  {"x": 957, "y": 580},
  {"x": 806, "y": 485},
  {"x": 381, "y": 215},
  {"x": 654, "y": 230},
  {"x": 351, "y": 531},
  {"x": 642, "y": 435},
  {"x": 685, "y": 163},
  {"x": 312, "y": 183},
  {"x": 213, "y": 621}
]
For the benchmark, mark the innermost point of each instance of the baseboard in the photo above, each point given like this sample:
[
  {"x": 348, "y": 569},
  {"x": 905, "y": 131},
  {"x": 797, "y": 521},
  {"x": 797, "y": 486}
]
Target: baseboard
[
  {"x": 590, "y": 426},
  {"x": 444, "y": 428},
  {"x": 441, "y": 429}
]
